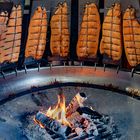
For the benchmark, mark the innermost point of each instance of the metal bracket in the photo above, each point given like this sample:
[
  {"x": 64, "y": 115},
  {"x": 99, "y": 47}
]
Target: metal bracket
[
  {"x": 16, "y": 71},
  {"x": 81, "y": 63},
  {"x": 2, "y": 73},
  {"x": 118, "y": 68},
  {"x": 25, "y": 68},
  {"x": 95, "y": 65},
  {"x": 104, "y": 67},
  {"x": 38, "y": 67},
  {"x": 64, "y": 63},
  {"x": 70, "y": 63},
  {"x": 132, "y": 72},
  {"x": 51, "y": 66}
]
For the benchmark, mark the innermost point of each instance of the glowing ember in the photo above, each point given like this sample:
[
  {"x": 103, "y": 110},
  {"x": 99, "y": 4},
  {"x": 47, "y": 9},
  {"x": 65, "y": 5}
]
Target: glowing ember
[
  {"x": 40, "y": 124},
  {"x": 58, "y": 112}
]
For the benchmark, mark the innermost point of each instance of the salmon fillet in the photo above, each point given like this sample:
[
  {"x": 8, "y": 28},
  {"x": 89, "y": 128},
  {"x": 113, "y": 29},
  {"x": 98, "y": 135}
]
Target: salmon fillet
[
  {"x": 3, "y": 23},
  {"x": 111, "y": 42},
  {"x": 12, "y": 42},
  {"x": 88, "y": 40},
  {"x": 60, "y": 37},
  {"x": 37, "y": 33},
  {"x": 131, "y": 36}
]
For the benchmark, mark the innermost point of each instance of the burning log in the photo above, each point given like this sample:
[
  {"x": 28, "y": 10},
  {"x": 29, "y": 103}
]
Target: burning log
[
  {"x": 51, "y": 124},
  {"x": 75, "y": 103}
]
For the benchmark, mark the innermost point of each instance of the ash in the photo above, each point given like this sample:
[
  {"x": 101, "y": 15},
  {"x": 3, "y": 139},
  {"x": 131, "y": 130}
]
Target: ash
[{"x": 35, "y": 132}]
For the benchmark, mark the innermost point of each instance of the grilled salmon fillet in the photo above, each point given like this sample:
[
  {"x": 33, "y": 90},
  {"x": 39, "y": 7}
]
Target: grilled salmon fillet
[
  {"x": 131, "y": 36},
  {"x": 111, "y": 42},
  {"x": 37, "y": 33},
  {"x": 60, "y": 37},
  {"x": 12, "y": 43},
  {"x": 3, "y": 23},
  {"x": 88, "y": 40}
]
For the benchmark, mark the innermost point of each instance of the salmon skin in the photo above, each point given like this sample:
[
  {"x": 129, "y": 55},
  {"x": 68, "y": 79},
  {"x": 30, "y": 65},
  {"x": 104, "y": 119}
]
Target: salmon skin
[
  {"x": 12, "y": 42},
  {"x": 88, "y": 40},
  {"x": 60, "y": 37},
  {"x": 131, "y": 36},
  {"x": 37, "y": 33},
  {"x": 111, "y": 42},
  {"x": 3, "y": 23}
]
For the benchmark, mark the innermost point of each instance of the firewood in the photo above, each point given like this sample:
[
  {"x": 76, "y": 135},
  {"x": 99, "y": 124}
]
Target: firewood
[
  {"x": 74, "y": 118},
  {"x": 51, "y": 124},
  {"x": 75, "y": 103}
]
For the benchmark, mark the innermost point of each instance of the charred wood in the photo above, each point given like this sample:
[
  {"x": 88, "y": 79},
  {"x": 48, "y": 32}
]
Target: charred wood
[
  {"x": 75, "y": 103},
  {"x": 52, "y": 124},
  {"x": 87, "y": 110}
]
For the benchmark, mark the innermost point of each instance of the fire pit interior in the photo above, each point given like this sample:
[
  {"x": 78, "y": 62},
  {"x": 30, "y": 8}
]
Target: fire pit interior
[
  {"x": 113, "y": 115},
  {"x": 69, "y": 70}
]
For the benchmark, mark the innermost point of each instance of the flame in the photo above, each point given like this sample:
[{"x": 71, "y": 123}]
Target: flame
[{"x": 58, "y": 112}]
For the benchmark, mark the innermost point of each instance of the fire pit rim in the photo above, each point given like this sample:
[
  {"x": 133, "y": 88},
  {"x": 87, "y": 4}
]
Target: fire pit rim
[{"x": 66, "y": 74}]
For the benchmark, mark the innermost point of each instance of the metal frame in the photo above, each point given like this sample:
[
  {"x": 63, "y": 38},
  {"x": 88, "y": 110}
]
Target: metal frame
[{"x": 24, "y": 82}]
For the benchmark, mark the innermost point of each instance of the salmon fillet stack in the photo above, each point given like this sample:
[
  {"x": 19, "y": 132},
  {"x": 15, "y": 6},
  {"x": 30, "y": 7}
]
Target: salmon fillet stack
[
  {"x": 3, "y": 23},
  {"x": 111, "y": 42},
  {"x": 12, "y": 43},
  {"x": 131, "y": 36},
  {"x": 37, "y": 32},
  {"x": 88, "y": 41},
  {"x": 60, "y": 37}
]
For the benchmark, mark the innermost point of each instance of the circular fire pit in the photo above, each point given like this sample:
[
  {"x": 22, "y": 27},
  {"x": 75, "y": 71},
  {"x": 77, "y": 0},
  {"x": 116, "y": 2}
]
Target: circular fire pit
[{"x": 102, "y": 89}]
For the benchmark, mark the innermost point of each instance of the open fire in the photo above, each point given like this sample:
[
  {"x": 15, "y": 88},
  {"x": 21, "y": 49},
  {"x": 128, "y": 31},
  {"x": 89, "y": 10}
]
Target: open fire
[
  {"x": 74, "y": 119},
  {"x": 58, "y": 112}
]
